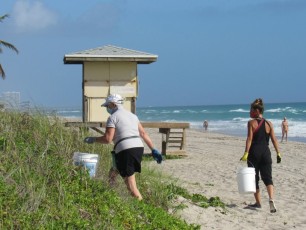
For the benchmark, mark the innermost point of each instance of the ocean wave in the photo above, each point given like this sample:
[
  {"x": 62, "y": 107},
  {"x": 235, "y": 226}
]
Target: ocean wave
[
  {"x": 241, "y": 119},
  {"x": 297, "y": 130},
  {"x": 166, "y": 111},
  {"x": 68, "y": 111},
  {"x": 281, "y": 110},
  {"x": 150, "y": 111},
  {"x": 239, "y": 110},
  {"x": 278, "y": 110},
  {"x": 228, "y": 119},
  {"x": 191, "y": 111}
]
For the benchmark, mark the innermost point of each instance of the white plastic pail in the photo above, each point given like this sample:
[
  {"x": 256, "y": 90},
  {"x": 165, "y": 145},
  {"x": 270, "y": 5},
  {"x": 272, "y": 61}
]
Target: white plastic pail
[
  {"x": 246, "y": 180},
  {"x": 88, "y": 160}
]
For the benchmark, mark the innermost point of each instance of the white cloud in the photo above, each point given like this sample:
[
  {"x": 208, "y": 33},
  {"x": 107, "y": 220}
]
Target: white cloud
[{"x": 32, "y": 16}]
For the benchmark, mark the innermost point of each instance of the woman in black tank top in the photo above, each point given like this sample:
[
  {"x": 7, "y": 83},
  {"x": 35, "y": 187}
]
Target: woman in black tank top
[{"x": 257, "y": 151}]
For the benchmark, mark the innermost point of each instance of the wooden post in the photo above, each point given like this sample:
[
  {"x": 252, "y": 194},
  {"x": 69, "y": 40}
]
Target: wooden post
[
  {"x": 164, "y": 146},
  {"x": 165, "y": 132},
  {"x": 184, "y": 139}
]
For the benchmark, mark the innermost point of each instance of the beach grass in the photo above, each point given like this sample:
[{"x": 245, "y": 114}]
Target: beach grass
[{"x": 41, "y": 188}]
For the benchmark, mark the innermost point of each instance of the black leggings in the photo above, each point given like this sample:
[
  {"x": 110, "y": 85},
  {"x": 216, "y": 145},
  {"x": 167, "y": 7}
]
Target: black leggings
[{"x": 260, "y": 159}]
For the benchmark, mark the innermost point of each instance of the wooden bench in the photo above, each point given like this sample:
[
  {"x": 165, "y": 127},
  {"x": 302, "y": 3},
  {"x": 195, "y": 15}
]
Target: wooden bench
[
  {"x": 173, "y": 139},
  {"x": 93, "y": 125},
  {"x": 174, "y": 136}
]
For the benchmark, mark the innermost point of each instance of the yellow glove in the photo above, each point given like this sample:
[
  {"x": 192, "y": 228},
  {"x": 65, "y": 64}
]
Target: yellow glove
[
  {"x": 245, "y": 156},
  {"x": 278, "y": 158}
]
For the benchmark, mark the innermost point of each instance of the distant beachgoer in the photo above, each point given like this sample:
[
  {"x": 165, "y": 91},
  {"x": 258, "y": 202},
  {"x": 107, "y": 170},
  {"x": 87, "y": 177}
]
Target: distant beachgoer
[
  {"x": 257, "y": 152},
  {"x": 205, "y": 124},
  {"x": 285, "y": 128},
  {"x": 124, "y": 128}
]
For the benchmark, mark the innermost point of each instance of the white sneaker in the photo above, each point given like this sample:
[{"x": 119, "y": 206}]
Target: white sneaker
[{"x": 272, "y": 206}]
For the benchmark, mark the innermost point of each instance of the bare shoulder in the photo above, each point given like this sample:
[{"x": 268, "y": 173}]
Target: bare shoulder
[
  {"x": 269, "y": 126},
  {"x": 269, "y": 122},
  {"x": 251, "y": 121},
  {"x": 252, "y": 124}
]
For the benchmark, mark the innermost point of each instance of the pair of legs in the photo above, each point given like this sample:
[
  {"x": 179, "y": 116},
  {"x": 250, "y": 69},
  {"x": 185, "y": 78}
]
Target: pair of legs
[
  {"x": 130, "y": 182},
  {"x": 266, "y": 174},
  {"x": 131, "y": 185},
  {"x": 126, "y": 163},
  {"x": 263, "y": 166},
  {"x": 270, "y": 190},
  {"x": 285, "y": 134}
]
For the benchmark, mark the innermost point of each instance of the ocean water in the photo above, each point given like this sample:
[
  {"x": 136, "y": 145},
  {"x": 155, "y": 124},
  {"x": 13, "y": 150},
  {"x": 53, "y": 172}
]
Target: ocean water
[{"x": 226, "y": 119}]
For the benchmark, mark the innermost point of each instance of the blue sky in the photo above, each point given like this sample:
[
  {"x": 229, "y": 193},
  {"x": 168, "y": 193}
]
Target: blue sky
[{"x": 209, "y": 51}]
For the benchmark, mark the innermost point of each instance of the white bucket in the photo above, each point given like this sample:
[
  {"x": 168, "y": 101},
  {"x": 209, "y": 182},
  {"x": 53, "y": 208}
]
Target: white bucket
[
  {"x": 246, "y": 180},
  {"x": 88, "y": 160}
]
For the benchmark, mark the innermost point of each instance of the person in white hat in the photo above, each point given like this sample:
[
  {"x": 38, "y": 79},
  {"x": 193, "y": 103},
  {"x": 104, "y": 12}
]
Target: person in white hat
[{"x": 125, "y": 130}]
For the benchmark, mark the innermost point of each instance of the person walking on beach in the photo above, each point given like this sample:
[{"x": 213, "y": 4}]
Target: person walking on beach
[
  {"x": 205, "y": 124},
  {"x": 125, "y": 130},
  {"x": 285, "y": 128},
  {"x": 257, "y": 152}
]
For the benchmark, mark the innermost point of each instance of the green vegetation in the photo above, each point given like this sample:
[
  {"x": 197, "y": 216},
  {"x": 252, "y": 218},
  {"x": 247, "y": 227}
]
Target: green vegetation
[{"x": 40, "y": 188}]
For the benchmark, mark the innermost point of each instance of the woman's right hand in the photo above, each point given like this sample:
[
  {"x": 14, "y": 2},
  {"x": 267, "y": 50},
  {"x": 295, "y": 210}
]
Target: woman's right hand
[{"x": 245, "y": 156}]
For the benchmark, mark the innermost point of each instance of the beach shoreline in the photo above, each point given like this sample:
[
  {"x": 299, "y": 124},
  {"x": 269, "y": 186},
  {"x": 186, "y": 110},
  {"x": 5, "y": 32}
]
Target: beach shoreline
[
  {"x": 210, "y": 169},
  {"x": 238, "y": 135},
  {"x": 224, "y": 119}
]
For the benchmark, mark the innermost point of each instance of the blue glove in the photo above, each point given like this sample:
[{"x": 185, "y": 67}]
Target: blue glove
[
  {"x": 89, "y": 140},
  {"x": 157, "y": 156}
]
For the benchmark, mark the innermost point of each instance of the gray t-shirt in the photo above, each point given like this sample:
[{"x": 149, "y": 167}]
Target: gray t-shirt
[{"x": 126, "y": 125}]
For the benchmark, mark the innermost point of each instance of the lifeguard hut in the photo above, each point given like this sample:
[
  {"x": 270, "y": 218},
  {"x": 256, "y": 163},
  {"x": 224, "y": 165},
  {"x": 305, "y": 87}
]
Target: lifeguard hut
[
  {"x": 110, "y": 69},
  {"x": 107, "y": 70}
]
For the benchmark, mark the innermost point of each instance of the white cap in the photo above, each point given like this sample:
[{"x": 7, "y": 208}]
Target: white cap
[{"x": 113, "y": 98}]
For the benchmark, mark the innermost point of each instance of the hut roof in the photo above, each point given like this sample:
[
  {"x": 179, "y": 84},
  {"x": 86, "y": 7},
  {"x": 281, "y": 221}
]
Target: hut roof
[{"x": 109, "y": 53}]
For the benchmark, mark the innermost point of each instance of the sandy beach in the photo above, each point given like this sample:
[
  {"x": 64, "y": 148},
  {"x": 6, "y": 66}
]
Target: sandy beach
[{"x": 210, "y": 169}]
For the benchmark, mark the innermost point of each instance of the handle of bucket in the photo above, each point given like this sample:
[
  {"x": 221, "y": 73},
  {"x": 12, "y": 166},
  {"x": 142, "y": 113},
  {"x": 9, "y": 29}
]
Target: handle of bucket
[{"x": 250, "y": 163}]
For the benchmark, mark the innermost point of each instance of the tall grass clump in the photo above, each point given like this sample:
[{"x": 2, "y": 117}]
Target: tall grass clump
[{"x": 40, "y": 188}]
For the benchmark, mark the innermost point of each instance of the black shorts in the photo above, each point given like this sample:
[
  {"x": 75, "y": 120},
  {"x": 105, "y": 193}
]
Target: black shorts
[{"x": 128, "y": 161}]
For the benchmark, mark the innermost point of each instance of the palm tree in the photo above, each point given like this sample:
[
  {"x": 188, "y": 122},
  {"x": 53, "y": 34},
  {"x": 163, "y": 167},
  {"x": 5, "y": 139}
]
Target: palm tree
[{"x": 7, "y": 45}]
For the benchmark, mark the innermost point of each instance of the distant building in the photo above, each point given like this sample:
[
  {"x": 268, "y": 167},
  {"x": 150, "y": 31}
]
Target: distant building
[{"x": 11, "y": 99}]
